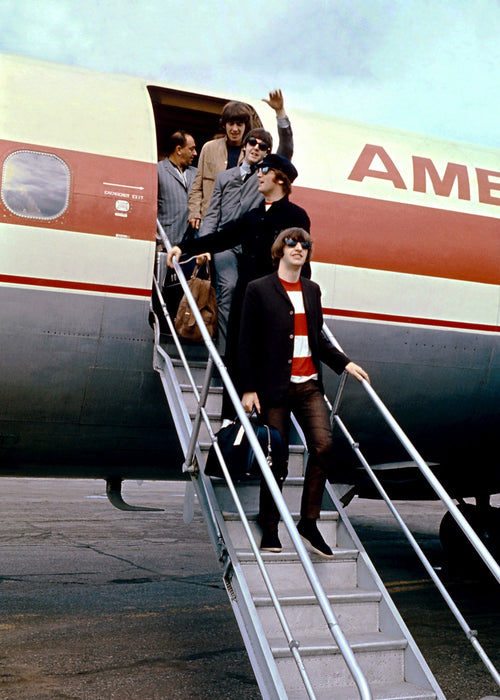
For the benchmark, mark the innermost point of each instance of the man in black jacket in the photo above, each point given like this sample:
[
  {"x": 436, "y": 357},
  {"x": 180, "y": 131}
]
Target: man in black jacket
[
  {"x": 255, "y": 231},
  {"x": 281, "y": 347}
]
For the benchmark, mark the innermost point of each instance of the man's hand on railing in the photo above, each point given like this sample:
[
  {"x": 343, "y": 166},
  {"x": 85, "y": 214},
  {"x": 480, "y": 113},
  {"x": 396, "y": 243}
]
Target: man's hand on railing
[
  {"x": 176, "y": 252},
  {"x": 357, "y": 372}
]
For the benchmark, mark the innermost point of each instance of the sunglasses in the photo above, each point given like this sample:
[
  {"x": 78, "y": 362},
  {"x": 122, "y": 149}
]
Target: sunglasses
[
  {"x": 262, "y": 146},
  {"x": 264, "y": 169},
  {"x": 291, "y": 243}
]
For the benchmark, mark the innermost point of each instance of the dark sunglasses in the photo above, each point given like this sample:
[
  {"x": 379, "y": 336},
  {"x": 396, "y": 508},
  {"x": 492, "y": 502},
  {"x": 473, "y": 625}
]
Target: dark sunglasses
[
  {"x": 262, "y": 146},
  {"x": 291, "y": 243}
]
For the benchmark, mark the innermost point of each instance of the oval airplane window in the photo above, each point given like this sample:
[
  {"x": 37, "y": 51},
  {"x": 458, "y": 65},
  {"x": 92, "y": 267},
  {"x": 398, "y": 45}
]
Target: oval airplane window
[{"x": 35, "y": 185}]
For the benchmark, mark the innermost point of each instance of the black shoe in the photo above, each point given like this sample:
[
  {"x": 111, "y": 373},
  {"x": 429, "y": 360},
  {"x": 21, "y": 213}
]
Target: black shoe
[
  {"x": 309, "y": 532},
  {"x": 270, "y": 541}
]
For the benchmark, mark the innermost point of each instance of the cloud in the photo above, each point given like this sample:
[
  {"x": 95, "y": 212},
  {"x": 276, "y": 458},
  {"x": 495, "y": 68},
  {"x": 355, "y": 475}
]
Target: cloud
[{"x": 431, "y": 67}]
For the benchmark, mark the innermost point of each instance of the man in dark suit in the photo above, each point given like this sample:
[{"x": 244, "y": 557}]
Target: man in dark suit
[
  {"x": 255, "y": 231},
  {"x": 175, "y": 178},
  {"x": 281, "y": 347}
]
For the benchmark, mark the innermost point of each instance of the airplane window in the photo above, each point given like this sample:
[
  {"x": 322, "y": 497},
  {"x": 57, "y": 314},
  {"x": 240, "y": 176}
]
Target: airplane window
[{"x": 35, "y": 185}]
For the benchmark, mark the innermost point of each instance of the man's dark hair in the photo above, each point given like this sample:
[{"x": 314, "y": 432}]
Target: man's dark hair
[
  {"x": 286, "y": 184},
  {"x": 296, "y": 234},
  {"x": 178, "y": 138},
  {"x": 236, "y": 112},
  {"x": 260, "y": 134}
]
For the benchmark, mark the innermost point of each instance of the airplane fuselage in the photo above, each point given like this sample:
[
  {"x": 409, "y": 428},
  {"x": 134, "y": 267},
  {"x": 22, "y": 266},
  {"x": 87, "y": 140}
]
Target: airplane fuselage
[{"x": 407, "y": 252}]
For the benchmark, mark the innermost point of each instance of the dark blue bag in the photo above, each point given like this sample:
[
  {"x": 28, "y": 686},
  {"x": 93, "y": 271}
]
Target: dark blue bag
[{"x": 239, "y": 455}]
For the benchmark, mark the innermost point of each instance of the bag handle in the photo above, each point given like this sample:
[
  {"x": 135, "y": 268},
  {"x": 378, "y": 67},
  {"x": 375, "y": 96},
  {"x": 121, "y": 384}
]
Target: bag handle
[
  {"x": 251, "y": 454},
  {"x": 199, "y": 266}
]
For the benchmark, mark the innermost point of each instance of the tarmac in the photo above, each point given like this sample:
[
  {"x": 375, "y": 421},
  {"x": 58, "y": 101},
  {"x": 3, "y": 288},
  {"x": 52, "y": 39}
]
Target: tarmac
[{"x": 98, "y": 603}]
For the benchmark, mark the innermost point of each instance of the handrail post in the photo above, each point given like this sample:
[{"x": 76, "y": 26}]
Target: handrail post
[{"x": 201, "y": 399}]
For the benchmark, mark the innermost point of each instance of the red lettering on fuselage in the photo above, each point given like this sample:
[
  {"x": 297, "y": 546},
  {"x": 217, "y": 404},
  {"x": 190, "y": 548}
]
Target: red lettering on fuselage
[
  {"x": 442, "y": 186},
  {"x": 424, "y": 172},
  {"x": 362, "y": 167},
  {"x": 485, "y": 186}
]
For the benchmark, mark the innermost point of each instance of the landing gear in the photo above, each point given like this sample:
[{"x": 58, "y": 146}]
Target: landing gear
[{"x": 485, "y": 521}]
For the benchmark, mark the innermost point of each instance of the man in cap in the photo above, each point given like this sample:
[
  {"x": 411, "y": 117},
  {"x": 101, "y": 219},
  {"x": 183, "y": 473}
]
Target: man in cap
[{"x": 256, "y": 231}]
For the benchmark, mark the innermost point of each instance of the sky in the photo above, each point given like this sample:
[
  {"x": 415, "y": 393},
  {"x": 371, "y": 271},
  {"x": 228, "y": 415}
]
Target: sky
[{"x": 430, "y": 66}]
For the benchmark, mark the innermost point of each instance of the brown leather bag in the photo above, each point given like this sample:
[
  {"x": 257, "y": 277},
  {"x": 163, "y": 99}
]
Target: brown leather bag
[{"x": 204, "y": 295}]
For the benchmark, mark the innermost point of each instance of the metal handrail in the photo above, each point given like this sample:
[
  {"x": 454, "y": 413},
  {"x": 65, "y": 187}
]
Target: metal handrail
[
  {"x": 330, "y": 618},
  {"x": 441, "y": 493},
  {"x": 422, "y": 465}
]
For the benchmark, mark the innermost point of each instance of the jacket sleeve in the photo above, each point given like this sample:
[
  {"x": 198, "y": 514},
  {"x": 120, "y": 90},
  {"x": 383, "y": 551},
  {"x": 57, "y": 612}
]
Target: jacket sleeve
[
  {"x": 306, "y": 221},
  {"x": 332, "y": 357},
  {"x": 212, "y": 218},
  {"x": 196, "y": 191},
  {"x": 227, "y": 237},
  {"x": 285, "y": 146},
  {"x": 328, "y": 353},
  {"x": 249, "y": 333}
]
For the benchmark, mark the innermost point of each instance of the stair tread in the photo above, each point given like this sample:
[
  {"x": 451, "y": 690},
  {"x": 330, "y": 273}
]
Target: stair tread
[
  {"x": 197, "y": 364},
  {"x": 289, "y": 481},
  {"x": 380, "y": 691},
  {"x": 305, "y": 597},
  {"x": 293, "y": 449},
  {"x": 311, "y": 645},
  {"x": 214, "y": 416},
  {"x": 325, "y": 516},
  {"x": 212, "y": 390},
  {"x": 339, "y": 554}
]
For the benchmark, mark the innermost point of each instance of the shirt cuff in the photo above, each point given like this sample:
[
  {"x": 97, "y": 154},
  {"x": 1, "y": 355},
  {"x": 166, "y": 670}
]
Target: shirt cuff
[{"x": 283, "y": 122}]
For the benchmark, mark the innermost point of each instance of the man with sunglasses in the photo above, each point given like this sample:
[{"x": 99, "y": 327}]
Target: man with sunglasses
[
  {"x": 235, "y": 192},
  {"x": 223, "y": 153},
  {"x": 281, "y": 348}
]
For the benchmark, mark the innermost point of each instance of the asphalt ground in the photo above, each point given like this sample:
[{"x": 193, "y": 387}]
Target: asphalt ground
[{"x": 97, "y": 603}]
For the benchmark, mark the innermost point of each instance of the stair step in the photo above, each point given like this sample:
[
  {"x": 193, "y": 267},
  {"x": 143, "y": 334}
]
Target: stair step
[
  {"x": 380, "y": 656},
  {"x": 295, "y": 461},
  {"x": 248, "y": 493},
  {"x": 327, "y": 524},
  {"x": 325, "y": 644},
  {"x": 355, "y": 609},
  {"x": 213, "y": 403},
  {"x": 287, "y": 575},
  {"x": 215, "y": 423},
  {"x": 380, "y": 691},
  {"x": 216, "y": 390}
]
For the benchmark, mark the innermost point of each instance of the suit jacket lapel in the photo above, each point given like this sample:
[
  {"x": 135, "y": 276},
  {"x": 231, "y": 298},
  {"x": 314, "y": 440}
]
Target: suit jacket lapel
[
  {"x": 174, "y": 172},
  {"x": 280, "y": 288}
]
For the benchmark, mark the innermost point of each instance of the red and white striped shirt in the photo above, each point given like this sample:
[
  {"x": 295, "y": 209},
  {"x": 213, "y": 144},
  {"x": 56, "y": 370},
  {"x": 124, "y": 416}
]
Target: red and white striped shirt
[{"x": 303, "y": 367}]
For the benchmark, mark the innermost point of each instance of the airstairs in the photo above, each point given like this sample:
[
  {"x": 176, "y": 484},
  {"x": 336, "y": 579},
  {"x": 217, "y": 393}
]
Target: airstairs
[{"x": 313, "y": 628}]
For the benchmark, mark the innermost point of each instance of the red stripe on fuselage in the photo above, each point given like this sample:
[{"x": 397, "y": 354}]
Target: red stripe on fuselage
[
  {"x": 74, "y": 286},
  {"x": 384, "y": 235},
  {"x": 412, "y": 320},
  {"x": 342, "y": 313}
]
